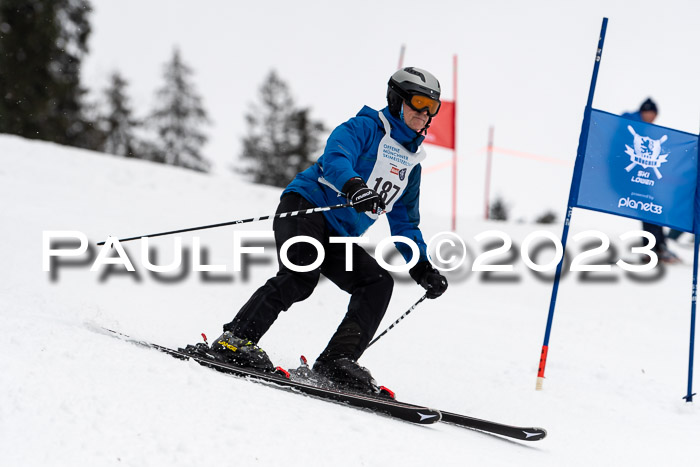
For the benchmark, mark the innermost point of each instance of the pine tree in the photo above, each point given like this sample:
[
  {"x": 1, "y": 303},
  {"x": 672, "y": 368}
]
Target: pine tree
[
  {"x": 118, "y": 123},
  {"x": 549, "y": 217},
  {"x": 178, "y": 117},
  {"x": 498, "y": 210},
  {"x": 42, "y": 43},
  {"x": 282, "y": 140}
]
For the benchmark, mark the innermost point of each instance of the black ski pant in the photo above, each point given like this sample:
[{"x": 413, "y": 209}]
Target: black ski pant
[
  {"x": 368, "y": 283},
  {"x": 658, "y": 232}
]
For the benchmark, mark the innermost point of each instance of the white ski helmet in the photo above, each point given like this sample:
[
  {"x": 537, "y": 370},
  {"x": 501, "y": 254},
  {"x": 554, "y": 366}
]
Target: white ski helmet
[{"x": 409, "y": 82}]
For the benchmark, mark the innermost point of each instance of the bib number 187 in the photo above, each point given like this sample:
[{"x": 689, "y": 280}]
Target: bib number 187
[{"x": 385, "y": 190}]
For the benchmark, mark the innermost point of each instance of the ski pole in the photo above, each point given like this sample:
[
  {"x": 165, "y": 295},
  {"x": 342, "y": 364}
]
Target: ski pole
[
  {"x": 398, "y": 320},
  {"x": 240, "y": 221}
]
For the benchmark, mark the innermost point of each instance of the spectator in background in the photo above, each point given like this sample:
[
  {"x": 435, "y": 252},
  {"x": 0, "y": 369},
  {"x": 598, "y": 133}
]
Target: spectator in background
[
  {"x": 647, "y": 113},
  {"x": 674, "y": 234}
]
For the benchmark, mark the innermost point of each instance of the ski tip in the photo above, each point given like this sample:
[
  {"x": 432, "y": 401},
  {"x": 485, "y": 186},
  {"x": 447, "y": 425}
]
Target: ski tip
[
  {"x": 428, "y": 416},
  {"x": 534, "y": 434}
]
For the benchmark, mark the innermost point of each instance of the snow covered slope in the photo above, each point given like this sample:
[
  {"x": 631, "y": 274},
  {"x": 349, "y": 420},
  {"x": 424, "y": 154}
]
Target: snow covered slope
[{"x": 70, "y": 396}]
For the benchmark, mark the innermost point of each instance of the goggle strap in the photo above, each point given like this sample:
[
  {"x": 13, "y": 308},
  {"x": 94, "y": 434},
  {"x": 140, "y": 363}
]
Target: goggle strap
[{"x": 407, "y": 97}]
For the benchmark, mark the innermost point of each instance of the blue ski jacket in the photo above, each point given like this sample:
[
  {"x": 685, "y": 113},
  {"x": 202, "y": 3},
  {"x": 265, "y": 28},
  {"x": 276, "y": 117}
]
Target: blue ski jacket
[
  {"x": 636, "y": 116},
  {"x": 351, "y": 151}
]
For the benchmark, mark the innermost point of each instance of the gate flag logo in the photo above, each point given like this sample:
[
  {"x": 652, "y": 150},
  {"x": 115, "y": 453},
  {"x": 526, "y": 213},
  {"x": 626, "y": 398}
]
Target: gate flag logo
[
  {"x": 646, "y": 152},
  {"x": 621, "y": 174}
]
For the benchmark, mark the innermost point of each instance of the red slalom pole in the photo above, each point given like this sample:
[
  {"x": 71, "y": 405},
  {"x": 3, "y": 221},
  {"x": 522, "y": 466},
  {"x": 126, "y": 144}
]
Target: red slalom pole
[
  {"x": 454, "y": 149},
  {"x": 487, "y": 183}
]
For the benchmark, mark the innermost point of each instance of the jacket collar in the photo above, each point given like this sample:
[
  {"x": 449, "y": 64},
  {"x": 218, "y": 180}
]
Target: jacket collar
[{"x": 399, "y": 130}]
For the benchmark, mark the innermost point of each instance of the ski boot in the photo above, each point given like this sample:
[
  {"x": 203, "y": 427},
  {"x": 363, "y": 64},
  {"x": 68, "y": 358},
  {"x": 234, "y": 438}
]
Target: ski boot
[
  {"x": 228, "y": 348},
  {"x": 346, "y": 374},
  {"x": 668, "y": 257},
  {"x": 235, "y": 351}
]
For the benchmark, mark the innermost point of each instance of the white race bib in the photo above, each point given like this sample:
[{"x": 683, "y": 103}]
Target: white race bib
[{"x": 389, "y": 176}]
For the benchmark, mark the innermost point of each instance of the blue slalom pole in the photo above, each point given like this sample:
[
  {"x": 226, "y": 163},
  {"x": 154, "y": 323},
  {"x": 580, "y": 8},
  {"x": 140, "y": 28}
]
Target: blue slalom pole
[
  {"x": 696, "y": 230},
  {"x": 689, "y": 396},
  {"x": 573, "y": 196}
]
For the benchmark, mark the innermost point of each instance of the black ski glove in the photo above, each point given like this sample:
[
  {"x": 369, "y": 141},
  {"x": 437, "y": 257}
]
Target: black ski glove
[
  {"x": 429, "y": 278},
  {"x": 363, "y": 199}
]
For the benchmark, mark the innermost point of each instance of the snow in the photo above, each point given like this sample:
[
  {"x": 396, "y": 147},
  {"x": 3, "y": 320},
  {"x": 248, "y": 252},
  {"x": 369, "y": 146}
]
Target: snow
[{"x": 71, "y": 396}]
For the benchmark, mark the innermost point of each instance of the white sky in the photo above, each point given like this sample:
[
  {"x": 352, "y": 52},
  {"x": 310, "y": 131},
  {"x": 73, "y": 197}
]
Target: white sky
[{"x": 524, "y": 67}]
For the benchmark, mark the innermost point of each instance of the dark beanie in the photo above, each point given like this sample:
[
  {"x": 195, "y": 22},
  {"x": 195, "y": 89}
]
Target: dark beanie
[{"x": 649, "y": 105}]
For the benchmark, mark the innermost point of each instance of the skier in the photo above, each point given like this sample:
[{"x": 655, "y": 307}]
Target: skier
[
  {"x": 647, "y": 113},
  {"x": 373, "y": 161}
]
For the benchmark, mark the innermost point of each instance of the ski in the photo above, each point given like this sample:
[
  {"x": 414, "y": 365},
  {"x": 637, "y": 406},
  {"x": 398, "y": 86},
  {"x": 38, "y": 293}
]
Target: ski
[
  {"x": 304, "y": 381},
  {"x": 517, "y": 432},
  {"x": 305, "y": 374},
  {"x": 407, "y": 412}
]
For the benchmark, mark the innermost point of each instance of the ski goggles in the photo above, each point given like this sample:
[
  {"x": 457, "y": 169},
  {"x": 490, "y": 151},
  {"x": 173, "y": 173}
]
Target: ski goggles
[{"x": 419, "y": 103}]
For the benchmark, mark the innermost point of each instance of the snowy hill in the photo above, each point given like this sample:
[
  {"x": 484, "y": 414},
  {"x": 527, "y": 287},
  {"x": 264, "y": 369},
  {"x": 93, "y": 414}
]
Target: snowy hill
[{"x": 70, "y": 396}]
